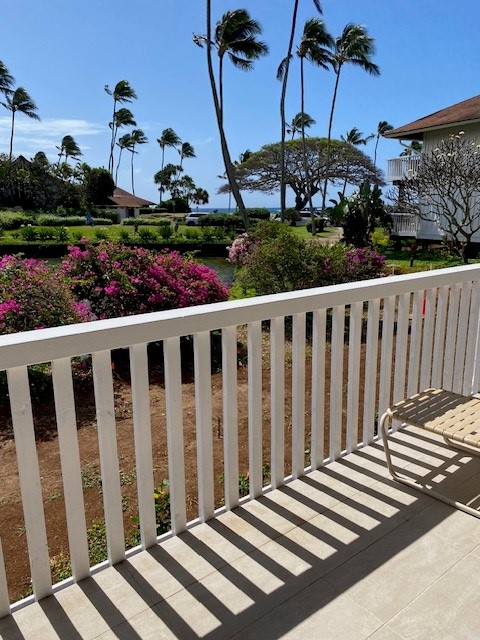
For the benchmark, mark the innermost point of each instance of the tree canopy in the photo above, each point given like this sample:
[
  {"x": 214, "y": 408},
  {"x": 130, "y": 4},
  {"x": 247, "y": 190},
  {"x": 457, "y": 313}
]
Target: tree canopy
[{"x": 262, "y": 171}]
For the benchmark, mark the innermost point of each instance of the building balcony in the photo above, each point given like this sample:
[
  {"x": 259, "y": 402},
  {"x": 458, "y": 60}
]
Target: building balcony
[
  {"x": 325, "y": 544},
  {"x": 402, "y": 168},
  {"x": 405, "y": 224}
]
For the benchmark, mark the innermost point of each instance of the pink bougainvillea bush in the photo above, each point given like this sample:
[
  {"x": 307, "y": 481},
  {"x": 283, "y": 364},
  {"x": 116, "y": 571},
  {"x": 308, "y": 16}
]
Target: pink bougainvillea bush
[
  {"x": 32, "y": 296},
  {"x": 118, "y": 280}
]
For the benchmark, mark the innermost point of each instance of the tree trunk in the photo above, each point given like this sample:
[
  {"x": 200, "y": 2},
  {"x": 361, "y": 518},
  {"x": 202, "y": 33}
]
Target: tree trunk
[
  {"x": 11, "y": 137},
  {"x": 283, "y": 186},
  {"x": 329, "y": 137},
  {"x": 112, "y": 141},
  {"x": 133, "y": 185},
  {"x": 118, "y": 167},
  {"x": 304, "y": 148},
  {"x": 223, "y": 141}
]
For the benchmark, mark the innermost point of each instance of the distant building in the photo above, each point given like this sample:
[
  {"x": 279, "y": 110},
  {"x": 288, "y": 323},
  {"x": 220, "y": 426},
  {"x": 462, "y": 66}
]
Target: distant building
[{"x": 126, "y": 204}]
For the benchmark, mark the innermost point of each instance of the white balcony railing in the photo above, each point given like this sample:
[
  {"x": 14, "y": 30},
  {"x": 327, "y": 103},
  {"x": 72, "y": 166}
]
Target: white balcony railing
[
  {"x": 402, "y": 167},
  {"x": 413, "y": 331},
  {"x": 405, "y": 224}
]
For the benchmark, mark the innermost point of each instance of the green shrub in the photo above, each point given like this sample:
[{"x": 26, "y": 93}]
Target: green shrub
[
  {"x": 258, "y": 213},
  {"x": 47, "y": 234},
  {"x": 319, "y": 225},
  {"x": 208, "y": 234},
  {"x": 124, "y": 235},
  {"x": 292, "y": 216},
  {"x": 77, "y": 235},
  {"x": 165, "y": 232},
  {"x": 225, "y": 220},
  {"x": 28, "y": 233},
  {"x": 49, "y": 220},
  {"x": 192, "y": 234},
  {"x": 143, "y": 222},
  {"x": 10, "y": 220},
  {"x": 100, "y": 234},
  {"x": 61, "y": 234},
  {"x": 105, "y": 214},
  {"x": 147, "y": 235}
]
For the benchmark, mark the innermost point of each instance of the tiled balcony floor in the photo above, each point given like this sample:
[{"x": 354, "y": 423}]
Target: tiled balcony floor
[{"x": 343, "y": 553}]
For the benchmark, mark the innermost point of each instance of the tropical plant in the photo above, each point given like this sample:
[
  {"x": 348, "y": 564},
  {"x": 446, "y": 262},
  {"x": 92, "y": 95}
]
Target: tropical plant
[
  {"x": 19, "y": 101},
  {"x": 186, "y": 151},
  {"x": 200, "y": 196},
  {"x": 414, "y": 148},
  {"x": 125, "y": 142},
  {"x": 383, "y": 127},
  {"x": 6, "y": 80},
  {"x": 121, "y": 93},
  {"x": 136, "y": 137},
  {"x": 354, "y": 47},
  {"x": 68, "y": 148},
  {"x": 295, "y": 126},
  {"x": 355, "y": 138},
  {"x": 166, "y": 177},
  {"x": 168, "y": 139},
  {"x": 364, "y": 211}
]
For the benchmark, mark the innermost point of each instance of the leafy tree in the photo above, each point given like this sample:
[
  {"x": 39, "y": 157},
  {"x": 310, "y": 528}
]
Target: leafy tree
[
  {"x": 19, "y": 101},
  {"x": 68, "y": 148},
  {"x": 383, "y": 127},
  {"x": 200, "y": 196},
  {"x": 447, "y": 183},
  {"x": 136, "y": 137},
  {"x": 121, "y": 93},
  {"x": 166, "y": 177},
  {"x": 364, "y": 211},
  {"x": 354, "y": 47},
  {"x": 262, "y": 171},
  {"x": 301, "y": 119},
  {"x": 412, "y": 149},
  {"x": 6, "y": 80},
  {"x": 97, "y": 185}
]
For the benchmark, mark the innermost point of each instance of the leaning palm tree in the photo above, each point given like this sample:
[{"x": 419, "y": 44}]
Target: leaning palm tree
[
  {"x": 6, "y": 80},
  {"x": 186, "y": 151},
  {"x": 353, "y": 47},
  {"x": 125, "y": 142},
  {"x": 122, "y": 92},
  {"x": 169, "y": 139},
  {"x": 354, "y": 138},
  {"x": 19, "y": 101},
  {"x": 68, "y": 148},
  {"x": 382, "y": 128},
  {"x": 122, "y": 118},
  {"x": 295, "y": 126},
  {"x": 136, "y": 137},
  {"x": 282, "y": 74},
  {"x": 412, "y": 149}
]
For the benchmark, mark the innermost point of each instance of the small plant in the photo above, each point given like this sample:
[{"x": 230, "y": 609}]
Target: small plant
[
  {"x": 91, "y": 478},
  {"x": 124, "y": 235},
  {"x": 161, "y": 496},
  {"x": 46, "y": 234},
  {"x": 28, "y": 233},
  {"x": 61, "y": 234},
  {"x": 208, "y": 234},
  {"x": 77, "y": 236},
  {"x": 191, "y": 234},
  {"x": 165, "y": 232},
  {"x": 100, "y": 233},
  {"x": 146, "y": 235}
]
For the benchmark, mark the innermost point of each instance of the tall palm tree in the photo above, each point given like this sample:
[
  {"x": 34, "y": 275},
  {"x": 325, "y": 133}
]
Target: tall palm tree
[
  {"x": 186, "y": 151},
  {"x": 354, "y": 138},
  {"x": 295, "y": 126},
  {"x": 165, "y": 178},
  {"x": 236, "y": 35},
  {"x": 168, "y": 139},
  {"x": 121, "y": 93},
  {"x": 19, "y": 101},
  {"x": 414, "y": 148},
  {"x": 121, "y": 118},
  {"x": 69, "y": 148},
  {"x": 354, "y": 47},
  {"x": 124, "y": 142},
  {"x": 6, "y": 80},
  {"x": 282, "y": 74},
  {"x": 383, "y": 127},
  {"x": 136, "y": 137},
  {"x": 313, "y": 47}
]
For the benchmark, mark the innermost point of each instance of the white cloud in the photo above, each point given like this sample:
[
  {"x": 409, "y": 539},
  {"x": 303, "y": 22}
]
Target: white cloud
[{"x": 55, "y": 128}]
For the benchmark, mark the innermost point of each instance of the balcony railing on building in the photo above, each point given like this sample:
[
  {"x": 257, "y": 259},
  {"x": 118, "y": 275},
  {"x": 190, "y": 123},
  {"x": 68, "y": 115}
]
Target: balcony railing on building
[
  {"x": 362, "y": 344},
  {"x": 401, "y": 168}
]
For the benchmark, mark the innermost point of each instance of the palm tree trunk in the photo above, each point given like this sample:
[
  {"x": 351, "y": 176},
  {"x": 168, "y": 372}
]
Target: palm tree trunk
[
  {"x": 223, "y": 141},
  {"x": 306, "y": 173},
  {"x": 375, "y": 152},
  {"x": 346, "y": 179},
  {"x": 118, "y": 166},
  {"x": 329, "y": 137},
  {"x": 220, "y": 86},
  {"x": 11, "y": 137},
  {"x": 283, "y": 186},
  {"x": 133, "y": 185},
  {"x": 112, "y": 141}
]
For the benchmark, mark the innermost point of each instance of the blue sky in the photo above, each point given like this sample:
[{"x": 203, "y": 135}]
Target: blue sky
[{"x": 64, "y": 52}]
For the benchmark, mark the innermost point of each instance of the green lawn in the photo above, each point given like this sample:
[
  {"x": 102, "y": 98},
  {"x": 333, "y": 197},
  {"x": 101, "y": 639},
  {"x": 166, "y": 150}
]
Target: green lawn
[{"x": 302, "y": 233}]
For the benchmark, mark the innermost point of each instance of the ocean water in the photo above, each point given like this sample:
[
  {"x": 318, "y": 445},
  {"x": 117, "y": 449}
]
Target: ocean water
[{"x": 232, "y": 209}]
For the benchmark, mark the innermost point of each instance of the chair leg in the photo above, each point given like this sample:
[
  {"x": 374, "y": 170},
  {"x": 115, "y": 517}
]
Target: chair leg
[
  {"x": 414, "y": 484},
  {"x": 455, "y": 445}
]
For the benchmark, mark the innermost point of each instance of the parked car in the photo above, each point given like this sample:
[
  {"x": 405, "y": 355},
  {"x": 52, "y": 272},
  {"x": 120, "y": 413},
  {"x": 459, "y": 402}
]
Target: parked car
[{"x": 193, "y": 219}]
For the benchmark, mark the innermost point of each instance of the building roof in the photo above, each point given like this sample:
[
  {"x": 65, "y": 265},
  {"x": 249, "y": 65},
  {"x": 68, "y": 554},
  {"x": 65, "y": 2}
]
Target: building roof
[
  {"x": 466, "y": 112},
  {"x": 122, "y": 198}
]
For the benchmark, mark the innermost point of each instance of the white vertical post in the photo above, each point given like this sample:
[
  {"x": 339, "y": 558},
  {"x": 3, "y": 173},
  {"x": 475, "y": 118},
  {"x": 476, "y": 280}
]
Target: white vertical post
[
  {"x": 176, "y": 456},
  {"x": 353, "y": 394},
  {"x": 142, "y": 430},
  {"x": 452, "y": 320},
  {"x": 107, "y": 440},
  {"x": 469, "y": 379},
  {"x": 371, "y": 371},
  {"x": 439, "y": 339},
  {"x": 399, "y": 383},
  {"x": 415, "y": 343},
  {"x": 255, "y": 408},
  {"x": 4, "y": 599},
  {"x": 71, "y": 470},
  {"x": 336, "y": 382},
  {"x": 386, "y": 357},
  {"x": 463, "y": 317},
  {"x": 277, "y": 399},
  {"x": 318, "y": 388},
  {"x": 29, "y": 475},
  {"x": 230, "y": 415},
  {"x": 203, "y": 407},
  {"x": 427, "y": 343},
  {"x": 298, "y": 395}
]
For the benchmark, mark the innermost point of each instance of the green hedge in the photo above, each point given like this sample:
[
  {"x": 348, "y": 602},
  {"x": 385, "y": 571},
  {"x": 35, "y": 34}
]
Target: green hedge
[
  {"x": 226, "y": 220},
  {"x": 141, "y": 222},
  {"x": 48, "y": 220},
  {"x": 10, "y": 220}
]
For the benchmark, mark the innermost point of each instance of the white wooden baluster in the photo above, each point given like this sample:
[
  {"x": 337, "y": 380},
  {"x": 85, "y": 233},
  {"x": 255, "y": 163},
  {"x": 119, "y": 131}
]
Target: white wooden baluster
[
  {"x": 142, "y": 430},
  {"x": 107, "y": 440},
  {"x": 203, "y": 410},
  {"x": 318, "y": 388},
  {"x": 452, "y": 320},
  {"x": 4, "y": 599},
  {"x": 29, "y": 474},
  {"x": 413, "y": 382},
  {"x": 298, "y": 395},
  {"x": 399, "y": 386},
  {"x": 472, "y": 342},
  {"x": 336, "y": 382},
  {"x": 439, "y": 339},
  {"x": 462, "y": 331},
  {"x": 353, "y": 394},
  {"x": 277, "y": 398},
  {"x": 230, "y": 415},
  {"x": 71, "y": 470},
  {"x": 371, "y": 371},
  {"x": 255, "y": 408},
  {"x": 176, "y": 455},
  {"x": 386, "y": 357},
  {"x": 427, "y": 343}
]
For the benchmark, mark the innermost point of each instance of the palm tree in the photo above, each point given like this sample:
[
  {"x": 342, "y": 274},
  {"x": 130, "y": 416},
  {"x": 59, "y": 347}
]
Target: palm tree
[
  {"x": 412, "y": 149},
  {"x": 295, "y": 126},
  {"x": 6, "y": 80},
  {"x": 282, "y": 74},
  {"x": 69, "y": 148},
  {"x": 200, "y": 196},
  {"x": 122, "y": 92},
  {"x": 186, "y": 151},
  {"x": 136, "y": 137},
  {"x": 382, "y": 128},
  {"x": 353, "y": 47},
  {"x": 19, "y": 101},
  {"x": 125, "y": 142},
  {"x": 354, "y": 138},
  {"x": 165, "y": 178},
  {"x": 169, "y": 139}
]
